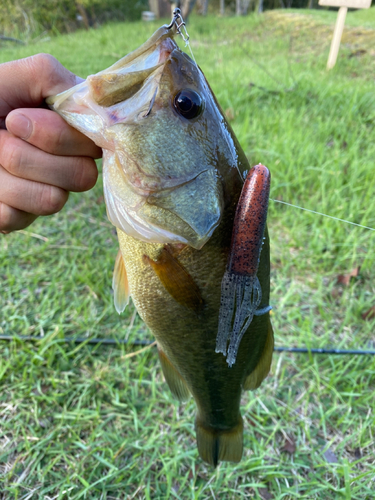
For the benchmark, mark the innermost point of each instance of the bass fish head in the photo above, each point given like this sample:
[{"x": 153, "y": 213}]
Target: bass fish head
[{"x": 168, "y": 151}]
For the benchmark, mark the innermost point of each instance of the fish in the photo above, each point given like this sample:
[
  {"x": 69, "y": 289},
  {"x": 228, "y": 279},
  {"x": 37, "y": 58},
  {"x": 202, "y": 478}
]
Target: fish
[{"x": 190, "y": 215}]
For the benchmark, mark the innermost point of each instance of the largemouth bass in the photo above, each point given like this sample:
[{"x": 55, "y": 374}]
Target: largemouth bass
[{"x": 197, "y": 270}]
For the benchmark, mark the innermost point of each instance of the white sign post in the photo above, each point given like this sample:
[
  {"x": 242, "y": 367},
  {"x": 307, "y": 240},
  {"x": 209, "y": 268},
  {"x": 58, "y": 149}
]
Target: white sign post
[{"x": 340, "y": 21}]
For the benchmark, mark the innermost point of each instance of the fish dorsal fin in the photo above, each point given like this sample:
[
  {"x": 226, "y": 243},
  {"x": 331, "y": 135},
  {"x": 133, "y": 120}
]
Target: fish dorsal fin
[
  {"x": 174, "y": 380},
  {"x": 262, "y": 369},
  {"x": 176, "y": 280},
  {"x": 120, "y": 284}
]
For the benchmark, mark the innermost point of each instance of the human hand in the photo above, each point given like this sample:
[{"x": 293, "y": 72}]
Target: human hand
[{"x": 42, "y": 158}]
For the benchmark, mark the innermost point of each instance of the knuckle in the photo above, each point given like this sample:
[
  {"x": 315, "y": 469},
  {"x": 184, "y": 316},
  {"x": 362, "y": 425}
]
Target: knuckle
[
  {"x": 5, "y": 218},
  {"x": 85, "y": 175},
  {"x": 56, "y": 140},
  {"x": 41, "y": 65},
  {"x": 12, "y": 158},
  {"x": 12, "y": 219},
  {"x": 48, "y": 67},
  {"x": 45, "y": 67},
  {"x": 43, "y": 62},
  {"x": 52, "y": 199}
]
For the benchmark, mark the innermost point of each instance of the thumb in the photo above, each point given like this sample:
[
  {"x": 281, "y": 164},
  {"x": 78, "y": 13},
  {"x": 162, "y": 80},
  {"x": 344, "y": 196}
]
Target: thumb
[{"x": 27, "y": 82}]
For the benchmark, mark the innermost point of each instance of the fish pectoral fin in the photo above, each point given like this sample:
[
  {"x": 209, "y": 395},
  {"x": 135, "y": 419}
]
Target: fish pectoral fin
[
  {"x": 120, "y": 284},
  {"x": 262, "y": 369},
  {"x": 174, "y": 380},
  {"x": 215, "y": 445},
  {"x": 176, "y": 280}
]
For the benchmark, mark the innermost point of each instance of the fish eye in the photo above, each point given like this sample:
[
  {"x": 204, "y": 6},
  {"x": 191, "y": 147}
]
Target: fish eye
[{"x": 188, "y": 104}]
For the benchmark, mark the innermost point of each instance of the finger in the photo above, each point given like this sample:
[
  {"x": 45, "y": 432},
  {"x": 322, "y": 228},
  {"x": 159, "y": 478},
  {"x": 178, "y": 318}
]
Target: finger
[
  {"x": 27, "y": 82},
  {"x": 31, "y": 197},
  {"x": 12, "y": 219},
  {"x": 46, "y": 130},
  {"x": 22, "y": 160}
]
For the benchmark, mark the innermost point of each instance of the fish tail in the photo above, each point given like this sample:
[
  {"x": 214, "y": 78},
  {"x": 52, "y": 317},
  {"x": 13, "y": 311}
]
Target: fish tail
[{"x": 216, "y": 445}]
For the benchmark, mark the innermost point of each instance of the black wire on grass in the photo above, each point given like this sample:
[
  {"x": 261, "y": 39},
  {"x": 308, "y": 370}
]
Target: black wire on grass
[
  {"x": 306, "y": 350},
  {"x": 77, "y": 340},
  {"x": 82, "y": 340}
]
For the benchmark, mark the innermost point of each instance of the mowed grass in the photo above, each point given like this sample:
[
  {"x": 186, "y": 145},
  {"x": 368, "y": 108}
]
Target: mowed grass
[{"x": 81, "y": 421}]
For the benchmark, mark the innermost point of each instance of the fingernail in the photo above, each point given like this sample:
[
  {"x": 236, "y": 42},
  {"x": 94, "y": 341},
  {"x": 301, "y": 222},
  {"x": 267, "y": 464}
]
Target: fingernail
[{"x": 19, "y": 125}]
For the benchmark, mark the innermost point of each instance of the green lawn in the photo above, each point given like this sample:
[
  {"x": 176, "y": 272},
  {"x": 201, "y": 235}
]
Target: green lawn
[{"x": 81, "y": 421}]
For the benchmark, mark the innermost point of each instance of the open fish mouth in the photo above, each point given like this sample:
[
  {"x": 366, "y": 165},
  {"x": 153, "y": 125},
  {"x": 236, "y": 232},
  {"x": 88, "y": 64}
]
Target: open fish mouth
[
  {"x": 118, "y": 85},
  {"x": 119, "y": 94}
]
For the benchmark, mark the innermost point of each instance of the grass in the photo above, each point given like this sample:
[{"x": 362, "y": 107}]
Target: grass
[{"x": 90, "y": 422}]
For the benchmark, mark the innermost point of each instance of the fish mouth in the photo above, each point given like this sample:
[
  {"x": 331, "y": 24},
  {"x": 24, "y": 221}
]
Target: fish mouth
[
  {"x": 121, "y": 93},
  {"x": 126, "y": 78}
]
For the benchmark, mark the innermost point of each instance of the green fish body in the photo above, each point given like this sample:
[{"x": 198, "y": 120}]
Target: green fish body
[{"x": 173, "y": 173}]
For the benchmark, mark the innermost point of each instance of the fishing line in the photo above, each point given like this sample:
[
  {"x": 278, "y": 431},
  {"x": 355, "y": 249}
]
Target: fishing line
[
  {"x": 110, "y": 341},
  {"x": 187, "y": 44},
  {"x": 324, "y": 215},
  {"x": 179, "y": 23}
]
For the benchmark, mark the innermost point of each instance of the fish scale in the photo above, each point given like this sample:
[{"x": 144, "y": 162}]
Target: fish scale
[{"x": 172, "y": 185}]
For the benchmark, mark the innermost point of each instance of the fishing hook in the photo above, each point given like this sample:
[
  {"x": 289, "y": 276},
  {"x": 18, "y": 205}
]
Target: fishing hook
[{"x": 178, "y": 21}]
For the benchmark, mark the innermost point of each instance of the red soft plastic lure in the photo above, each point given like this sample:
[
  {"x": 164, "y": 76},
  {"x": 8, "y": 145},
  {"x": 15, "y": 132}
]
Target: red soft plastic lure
[{"x": 241, "y": 293}]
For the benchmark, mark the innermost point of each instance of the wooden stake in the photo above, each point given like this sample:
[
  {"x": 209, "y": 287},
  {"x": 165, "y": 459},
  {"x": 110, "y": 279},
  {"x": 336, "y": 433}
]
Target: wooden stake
[{"x": 336, "y": 39}]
